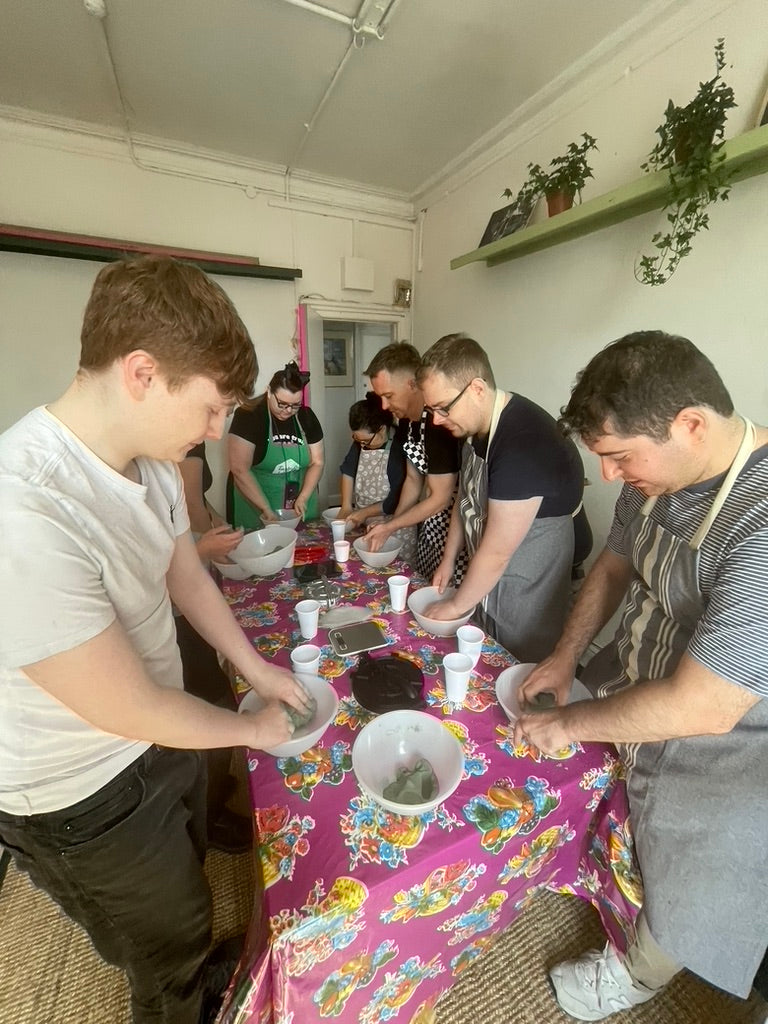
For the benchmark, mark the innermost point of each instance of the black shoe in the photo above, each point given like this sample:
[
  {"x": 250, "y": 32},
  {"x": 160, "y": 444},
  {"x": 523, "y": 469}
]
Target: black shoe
[
  {"x": 220, "y": 966},
  {"x": 231, "y": 833}
]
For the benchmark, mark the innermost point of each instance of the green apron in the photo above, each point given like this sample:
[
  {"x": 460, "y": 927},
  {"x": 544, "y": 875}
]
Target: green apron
[{"x": 283, "y": 464}]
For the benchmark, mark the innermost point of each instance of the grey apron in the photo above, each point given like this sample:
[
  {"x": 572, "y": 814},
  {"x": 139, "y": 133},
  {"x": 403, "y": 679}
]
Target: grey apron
[
  {"x": 372, "y": 486},
  {"x": 699, "y": 805},
  {"x": 526, "y": 610}
]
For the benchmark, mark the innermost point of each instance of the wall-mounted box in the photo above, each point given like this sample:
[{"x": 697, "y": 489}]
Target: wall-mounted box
[{"x": 356, "y": 273}]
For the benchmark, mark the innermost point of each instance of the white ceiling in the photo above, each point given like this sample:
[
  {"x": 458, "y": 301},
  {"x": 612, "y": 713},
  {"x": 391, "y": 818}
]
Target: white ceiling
[{"x": 245, "y": 77}]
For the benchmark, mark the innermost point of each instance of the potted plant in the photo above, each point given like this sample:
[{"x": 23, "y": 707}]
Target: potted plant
[
  {"x": 561, "y": 182},
  {"x": 690, "y": 148}
]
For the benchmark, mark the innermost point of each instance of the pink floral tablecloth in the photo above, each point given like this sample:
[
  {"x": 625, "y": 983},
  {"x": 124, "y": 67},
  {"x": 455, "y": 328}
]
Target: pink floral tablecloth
[{"x": 369, "y": 916}]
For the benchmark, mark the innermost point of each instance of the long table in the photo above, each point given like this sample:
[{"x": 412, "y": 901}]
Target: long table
[{"x": 370, "y": 916}]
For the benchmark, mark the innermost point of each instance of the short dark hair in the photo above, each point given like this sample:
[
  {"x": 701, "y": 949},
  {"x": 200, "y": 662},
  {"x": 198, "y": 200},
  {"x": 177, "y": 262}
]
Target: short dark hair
[
  {"x": 398, "y": 357},
  {"x": 369, "y": 414},
  {"x": 459, "y": 358},
  {"x": 290, "y": 377},
  {"x": 177, "y": 314},
  {"x": 638, "y": 385}
]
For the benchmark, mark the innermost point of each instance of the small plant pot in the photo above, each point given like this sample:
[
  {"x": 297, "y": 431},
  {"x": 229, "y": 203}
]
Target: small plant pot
[{"x": 559, "y": 202}]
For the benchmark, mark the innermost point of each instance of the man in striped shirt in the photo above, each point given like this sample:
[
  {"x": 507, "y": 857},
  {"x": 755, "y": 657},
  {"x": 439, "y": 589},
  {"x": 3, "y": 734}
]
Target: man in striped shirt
[{"x": 681, "y": 687}]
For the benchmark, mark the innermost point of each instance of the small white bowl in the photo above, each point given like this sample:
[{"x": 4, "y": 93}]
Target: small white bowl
[
  {"x": 512, "y": 678},
  {"x": 421, "y": 599},
  {"x": 333, "y": 513},
  {"x": 398, "y": 739},
  {"x": 232, "y": 571},
  {"x": 265, "y": 552},
  {"x": 288, "y": 517},
  {"x": 387, "y": 553},
  {"x": 327, "y": 706}
]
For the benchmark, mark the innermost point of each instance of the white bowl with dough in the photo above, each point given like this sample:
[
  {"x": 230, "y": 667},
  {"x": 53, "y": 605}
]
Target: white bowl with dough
[
  {"x": 387, "y": 553},
  {"x": 288, "y": 517},
  {"x": 421, "y": 599},
  {"x": 265, "y": 552},
  {"x": 511, "y": 679},
  {"x": 306, "y": 737}
]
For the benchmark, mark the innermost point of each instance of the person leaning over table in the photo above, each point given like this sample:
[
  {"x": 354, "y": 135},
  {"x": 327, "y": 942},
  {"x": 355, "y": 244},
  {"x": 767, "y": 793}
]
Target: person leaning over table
[
  {"x": 102, "y": 786},
  {"x": 275, "y": 449},
  {"x": 432, "y": 457},
  {"x": 682, "y": 686},
  {"x": 520, "y": 485},
  {"x": 373, "y": 470}
]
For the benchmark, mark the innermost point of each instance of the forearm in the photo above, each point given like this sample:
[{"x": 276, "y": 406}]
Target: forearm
[
  {"x": 454, "y": 540},
  {"x": 311, "y": 480},
  {"x": 598, "y": 599},
  {"x": 250, "y": 490},
  {"x": 484, "y": 572},
  {"x": 418, "y": 513}
]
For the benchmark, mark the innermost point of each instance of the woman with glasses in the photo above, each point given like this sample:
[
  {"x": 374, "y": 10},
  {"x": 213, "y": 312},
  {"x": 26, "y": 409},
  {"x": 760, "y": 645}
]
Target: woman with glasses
[
  {"x": 373, "y": 470},
  {"x": 275, "y": 454}
]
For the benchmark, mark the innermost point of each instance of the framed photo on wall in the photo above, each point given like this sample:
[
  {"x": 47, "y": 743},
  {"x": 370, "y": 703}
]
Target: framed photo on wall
[
  {"x": 505, "y": 222},
  {"x": 338, "y": 357}
]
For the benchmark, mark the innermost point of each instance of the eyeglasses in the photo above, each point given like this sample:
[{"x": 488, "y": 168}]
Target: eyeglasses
[
  {"x": 445, "y": 410},
  {"x": 286, "y": 406},
  {"x": 368, "y": 442}
]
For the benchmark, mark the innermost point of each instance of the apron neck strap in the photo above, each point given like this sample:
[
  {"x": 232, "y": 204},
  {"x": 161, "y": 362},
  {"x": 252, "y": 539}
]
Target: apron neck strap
[{"x": 499, "y": 401}]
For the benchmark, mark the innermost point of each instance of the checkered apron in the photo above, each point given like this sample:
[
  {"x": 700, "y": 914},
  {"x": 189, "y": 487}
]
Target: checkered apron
[{"x": 434, "y": 530}]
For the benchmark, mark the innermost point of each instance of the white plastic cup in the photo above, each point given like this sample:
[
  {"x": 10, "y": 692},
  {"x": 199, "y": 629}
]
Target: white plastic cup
[
  {"x": 309, "y": 614},
  {"x": 457, "y": 668},
  {"x": 470, "y": 640},
  {"x": 338, "y": 529},
  {"x": 306, "y": 660},
  {"x": 398, "y": 591},
  {"x": 341, "y": 550}
]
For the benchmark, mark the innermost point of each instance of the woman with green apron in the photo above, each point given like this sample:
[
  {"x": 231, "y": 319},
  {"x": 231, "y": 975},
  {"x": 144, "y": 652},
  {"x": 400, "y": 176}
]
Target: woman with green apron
[
  {"x": 373, "y": 471},
  {"x": 275, "y": 454}
]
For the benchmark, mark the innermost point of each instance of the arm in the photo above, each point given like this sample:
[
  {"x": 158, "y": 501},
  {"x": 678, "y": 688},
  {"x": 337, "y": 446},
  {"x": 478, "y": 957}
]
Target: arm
[
  {"x": 454, "y": 542},
  {"x": 346, "y": 488},
  {"x": 240, "y": 454},
  {"x": 602, "y": 593},
  {"x": 439, "y": 493},
  {"x": 311, "y": 477},
  {"x": 191, "y": 470},
  {"x": 694, "y": 701},
  {"x": 506, "y": 526}
]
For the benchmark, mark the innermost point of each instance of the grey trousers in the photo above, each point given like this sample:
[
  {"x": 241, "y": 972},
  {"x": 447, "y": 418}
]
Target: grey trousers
[{"x": 646, "y": 962}]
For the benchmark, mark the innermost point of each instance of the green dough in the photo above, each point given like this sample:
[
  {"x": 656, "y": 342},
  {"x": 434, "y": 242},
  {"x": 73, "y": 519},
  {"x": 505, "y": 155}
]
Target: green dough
[
  {"x": 301, "y": 718},
  {"x": 413, "y": 785}
]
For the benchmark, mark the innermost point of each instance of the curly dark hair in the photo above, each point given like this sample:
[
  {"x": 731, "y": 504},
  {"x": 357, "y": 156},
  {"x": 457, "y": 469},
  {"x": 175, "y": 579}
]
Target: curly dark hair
[
  {"x": 369, "y": 415},
  {"x": 638, "y": 385},
  {"x": 290, "y": 377}
]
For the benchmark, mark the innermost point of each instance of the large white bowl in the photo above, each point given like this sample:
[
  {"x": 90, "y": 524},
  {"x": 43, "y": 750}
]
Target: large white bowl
[
  {"x": 421, "y": 599},
  {"x": 333, "y": 513},
  {"x": 265, "y": 552},
  {"x": 512, "y": 678},
  {"x": 398, "y": 739},
  {"x": 287, "y": 517},
  {"x": 308, "y": 736},
  {"x": 387, "y": 553},
  {"x": 232, "y": 570}
]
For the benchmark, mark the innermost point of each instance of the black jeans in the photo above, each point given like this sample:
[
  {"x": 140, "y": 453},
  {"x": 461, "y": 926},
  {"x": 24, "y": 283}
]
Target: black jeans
[{"x": 126, "y": 864}]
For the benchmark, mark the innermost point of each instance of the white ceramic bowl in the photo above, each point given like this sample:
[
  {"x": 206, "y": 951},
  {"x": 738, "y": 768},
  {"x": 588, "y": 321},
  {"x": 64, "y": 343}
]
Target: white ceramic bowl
[
  {"x": 302, "y": 739},
  {"x": 288, "y": 517},
  {"x": 388, "y": 552},
  {"x": 512, "y": 678},
  {"x": 398, "y": 739},
  {"x": 232, "y": 571},
  {"x": 421, "y": 599},
  {"x": 266, "y": 551},
  {"x": 331, "y": 513}
]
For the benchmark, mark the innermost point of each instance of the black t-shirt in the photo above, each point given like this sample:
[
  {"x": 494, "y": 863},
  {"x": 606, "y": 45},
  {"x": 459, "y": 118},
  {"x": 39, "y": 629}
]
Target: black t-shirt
[
  {"x": 198, "y": 452},
  {"x": 530, "y": 457},
  {"x": 253, "y": 425},
  {"x": 442, "y": 448}
]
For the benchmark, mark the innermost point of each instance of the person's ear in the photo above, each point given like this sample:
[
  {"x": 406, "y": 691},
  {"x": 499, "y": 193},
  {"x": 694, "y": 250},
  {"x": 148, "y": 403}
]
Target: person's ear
[
  {"x": 139, "y": 370},
  {"x": 692, "y": 423}
]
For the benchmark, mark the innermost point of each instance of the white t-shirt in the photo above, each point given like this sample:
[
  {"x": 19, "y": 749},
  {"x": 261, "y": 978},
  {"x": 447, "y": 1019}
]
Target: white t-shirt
[{"x": 80, "y": 546}]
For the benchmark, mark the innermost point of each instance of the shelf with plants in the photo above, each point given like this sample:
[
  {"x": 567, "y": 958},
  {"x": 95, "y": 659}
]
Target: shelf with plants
[{"x": 745, "y": 156}]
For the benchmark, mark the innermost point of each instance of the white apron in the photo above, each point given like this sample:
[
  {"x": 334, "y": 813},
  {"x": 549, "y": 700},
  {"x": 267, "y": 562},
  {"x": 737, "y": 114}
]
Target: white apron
[
  {"x": 527, "y": 608},
  {"x": 372, "y": 486},
  {"x": 699, "y": 805}
]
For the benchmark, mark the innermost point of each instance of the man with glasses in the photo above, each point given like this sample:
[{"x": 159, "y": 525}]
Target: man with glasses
[{"x": 520, "y": 484}]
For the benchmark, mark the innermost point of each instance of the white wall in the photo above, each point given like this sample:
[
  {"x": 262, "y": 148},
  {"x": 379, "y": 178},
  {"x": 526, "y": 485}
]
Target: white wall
[
  {"x": 67, "y": 181},
  {"x": 543, "y": 316}
]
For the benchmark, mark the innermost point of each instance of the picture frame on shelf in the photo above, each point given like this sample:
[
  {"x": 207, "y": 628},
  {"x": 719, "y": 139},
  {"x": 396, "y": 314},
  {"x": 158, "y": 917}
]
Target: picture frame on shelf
[
  {"x": 338, "y": 357},
  {"x": 762, "y": 113},
  {"x": 505, "y": 221}
]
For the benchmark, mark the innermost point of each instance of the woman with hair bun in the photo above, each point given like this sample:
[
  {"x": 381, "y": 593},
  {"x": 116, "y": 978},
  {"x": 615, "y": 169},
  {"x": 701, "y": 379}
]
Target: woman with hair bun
[
  {"x": 275, "y": 451},
  {"x": 373, "y": 470}
]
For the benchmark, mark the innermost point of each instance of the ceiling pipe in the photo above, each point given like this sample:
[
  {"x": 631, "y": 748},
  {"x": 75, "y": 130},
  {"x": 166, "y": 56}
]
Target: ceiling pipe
[{"x": 325, "y": 12}]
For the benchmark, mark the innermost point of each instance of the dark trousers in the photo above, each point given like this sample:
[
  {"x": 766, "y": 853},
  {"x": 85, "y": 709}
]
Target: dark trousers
[{"x": 126, "y": 864}]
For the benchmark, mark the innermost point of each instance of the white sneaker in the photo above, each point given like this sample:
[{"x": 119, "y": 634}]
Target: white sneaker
[{"x": 596, "y": 985}]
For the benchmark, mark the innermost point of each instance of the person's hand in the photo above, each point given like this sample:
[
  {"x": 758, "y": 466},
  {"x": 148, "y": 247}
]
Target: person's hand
[
  {"x": 376, "y": 536},
  {"x": 271, "y": 726},
  {"x": 553, "y": 675},
  {"x": 215, "y": 545},
  {"x": 443, "y": 575},
  {"x": 547, "y": 730},
  {"x": 274, "y": 683},
  {"x": 345, "y": 512},
  {"x": 442, "y": 610},
  {"x": 354, "y": 520},
  {"x": 267, "y": 516},
  {"x": 300, "y": 505}
]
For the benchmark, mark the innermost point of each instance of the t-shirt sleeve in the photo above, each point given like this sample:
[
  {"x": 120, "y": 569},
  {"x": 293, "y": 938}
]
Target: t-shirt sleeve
[
  {"x": 310, "y": 424},
  {"x": 251, "y": 425},
  {"x": 53, "y": 595},
  {"x": 351, "y": 462},
  {"x": 442, "y": 450},
  {"x": 730, "y": 637}
]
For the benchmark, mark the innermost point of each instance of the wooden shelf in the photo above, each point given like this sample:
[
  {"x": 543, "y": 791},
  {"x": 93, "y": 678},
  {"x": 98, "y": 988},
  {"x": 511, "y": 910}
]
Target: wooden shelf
[{"x": 746, "y": 155}]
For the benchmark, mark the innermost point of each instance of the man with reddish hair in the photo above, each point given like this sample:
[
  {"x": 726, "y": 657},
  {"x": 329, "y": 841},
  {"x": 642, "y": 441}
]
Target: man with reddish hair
[{"x": 102, "y": 786}]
